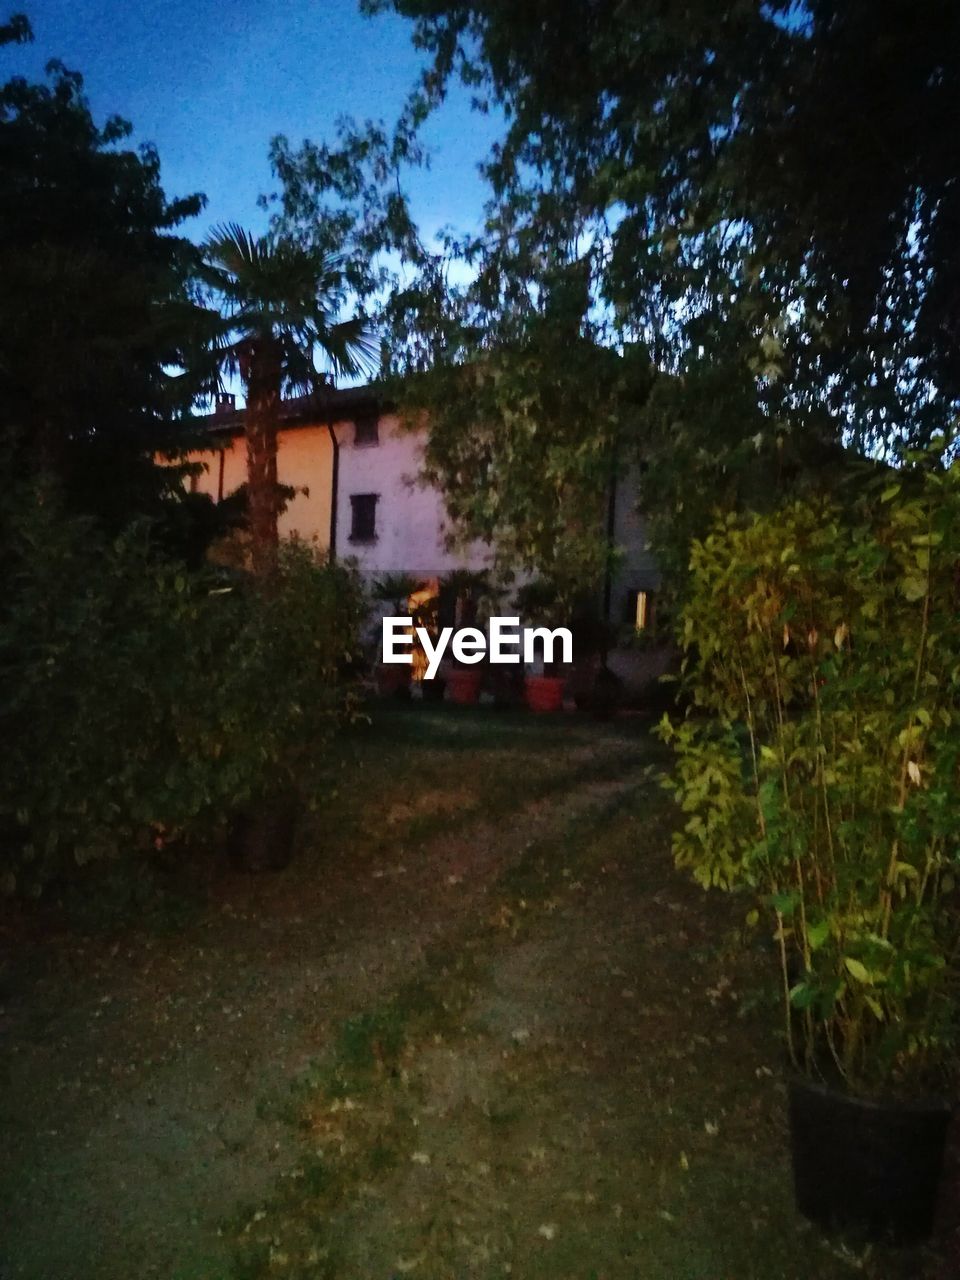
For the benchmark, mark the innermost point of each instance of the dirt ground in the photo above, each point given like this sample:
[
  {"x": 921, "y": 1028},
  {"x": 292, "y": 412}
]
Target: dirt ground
[{"x": 480, "y": 1028}]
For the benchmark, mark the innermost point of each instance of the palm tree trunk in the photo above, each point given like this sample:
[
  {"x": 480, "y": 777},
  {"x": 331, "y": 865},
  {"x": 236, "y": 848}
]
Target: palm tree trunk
[{"x": 262, "y": 417}]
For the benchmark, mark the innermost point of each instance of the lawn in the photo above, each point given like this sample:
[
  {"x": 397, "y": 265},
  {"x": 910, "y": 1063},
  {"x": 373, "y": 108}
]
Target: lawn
[{"x": 480, "y": 1028}]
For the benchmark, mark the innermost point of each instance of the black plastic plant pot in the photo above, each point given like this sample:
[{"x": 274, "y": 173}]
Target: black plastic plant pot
[
  {"x": 872, "y": 1168},
  {"x": 607, "y": 694},
  {"x": 393, "y": 681},
  {"x": 433, "y": 690}
]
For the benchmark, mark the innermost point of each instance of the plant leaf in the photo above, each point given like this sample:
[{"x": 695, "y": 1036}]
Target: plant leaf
[{"x": 858, "y": 970}]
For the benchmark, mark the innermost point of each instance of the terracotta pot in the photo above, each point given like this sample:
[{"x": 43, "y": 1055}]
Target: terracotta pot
[
  {"x": 544, "y": 693},
  {"x": 463, "y": 685}
]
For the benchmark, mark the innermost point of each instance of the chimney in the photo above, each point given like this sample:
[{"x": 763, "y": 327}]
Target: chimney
[{"x": 224, "y": 402}]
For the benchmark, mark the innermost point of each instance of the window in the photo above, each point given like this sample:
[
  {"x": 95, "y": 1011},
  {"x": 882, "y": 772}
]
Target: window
[
  {"x": 643, "y": 616},
  {"x": 363, "y": 522},
  {"x": 366, "y": 430}
]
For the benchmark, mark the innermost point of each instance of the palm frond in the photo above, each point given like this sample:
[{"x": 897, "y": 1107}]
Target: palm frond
[
  {"x": 274, "y": 288},
  {"x": 352, "y": 348},
  {"x": 232, "y": 247}
]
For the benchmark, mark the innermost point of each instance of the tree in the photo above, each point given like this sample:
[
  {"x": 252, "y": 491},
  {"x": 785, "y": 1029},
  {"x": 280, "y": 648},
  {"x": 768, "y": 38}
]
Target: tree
[
  {"x": 280, "y": 300},
  {"x": 100, "y": 328},
  {"x": 526, "y": 408},
  {"x": 525, "y": 442},
  {"x": 770, "y": 185},
  {"x": 763, "y": 195}
]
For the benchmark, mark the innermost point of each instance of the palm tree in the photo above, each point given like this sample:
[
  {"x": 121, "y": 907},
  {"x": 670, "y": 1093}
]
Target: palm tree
[{"x": 279, "y": 302}]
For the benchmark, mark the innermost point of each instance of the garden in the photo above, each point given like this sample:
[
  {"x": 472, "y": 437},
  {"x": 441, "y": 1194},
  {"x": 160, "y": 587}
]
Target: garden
[
  {"x": 557, "y": 994},
  {"x": 476, "y": 1028},
  {"x": 302, "y": 975}
]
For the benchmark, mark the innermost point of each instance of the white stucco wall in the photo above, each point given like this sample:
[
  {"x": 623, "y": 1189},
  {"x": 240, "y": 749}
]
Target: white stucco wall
[
  {"x": 637, "y": 568},
  {"x": 411, "y": 519}
]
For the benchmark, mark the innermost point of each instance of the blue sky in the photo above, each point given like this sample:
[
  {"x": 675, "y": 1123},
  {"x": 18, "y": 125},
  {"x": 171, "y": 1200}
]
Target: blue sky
[{"x": 211, "y": 81}]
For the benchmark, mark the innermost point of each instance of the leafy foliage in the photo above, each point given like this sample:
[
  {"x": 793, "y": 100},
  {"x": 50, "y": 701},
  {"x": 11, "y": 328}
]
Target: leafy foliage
[
  {"x": 102, "y": 333},
  {"x": 761, "y": 185},
  {"x": 141, "y": 702},
  {"x": 280, "y": 302},
  {"x": 273, "y": 287},
  {"x": 395, "y": 589},
  {"x": 756, "y": 195},
  {"x": 525, "y": 441},
  {"x": 347, "y": 199},
  {"x": 528, "y": 412},
  {"x": 819, "y": 770}
]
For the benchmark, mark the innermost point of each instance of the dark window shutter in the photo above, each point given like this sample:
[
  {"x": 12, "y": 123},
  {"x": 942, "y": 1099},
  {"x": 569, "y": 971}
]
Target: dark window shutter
[
  {"x": 366, "y": 429},
  {"x": 363, "y": 517}
]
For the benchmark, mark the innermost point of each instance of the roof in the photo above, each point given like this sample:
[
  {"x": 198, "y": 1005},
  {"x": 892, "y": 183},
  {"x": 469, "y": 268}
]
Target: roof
[{"x": 331, "y": 404}]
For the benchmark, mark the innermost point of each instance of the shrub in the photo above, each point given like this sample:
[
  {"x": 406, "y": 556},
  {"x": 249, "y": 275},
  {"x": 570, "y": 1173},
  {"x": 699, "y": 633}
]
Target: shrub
[
  {"x": 140, "y": 701},
  {"x": 819, "y": 768}
]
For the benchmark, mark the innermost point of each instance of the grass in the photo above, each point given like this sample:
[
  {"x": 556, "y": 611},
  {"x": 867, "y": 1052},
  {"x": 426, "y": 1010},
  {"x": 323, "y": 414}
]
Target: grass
[
  {"x": 658, "y": 1194},
  {"x": 481, "y": 1028}
]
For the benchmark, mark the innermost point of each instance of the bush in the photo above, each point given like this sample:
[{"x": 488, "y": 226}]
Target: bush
[
  {"x": 142, "y": 702},
  {"x": 820, "y": 769}
]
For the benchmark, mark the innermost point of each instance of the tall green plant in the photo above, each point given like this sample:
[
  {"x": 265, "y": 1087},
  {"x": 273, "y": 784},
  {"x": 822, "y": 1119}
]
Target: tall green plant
[
  {"x": 819, "y": 769},
  {"x": 396, "y": 589},
  {"x": 102, "y": 340},
  {"x": 138, "y": 700},
  {"x": 280, "y": 303}
]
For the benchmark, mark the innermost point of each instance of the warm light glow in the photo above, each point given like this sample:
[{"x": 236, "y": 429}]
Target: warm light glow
[
  {"x": 427, "y": 592},
  {"x": 642, "y": 603}
]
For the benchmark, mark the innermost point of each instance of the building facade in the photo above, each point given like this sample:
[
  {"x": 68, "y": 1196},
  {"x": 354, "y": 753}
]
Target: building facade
[{"x": 354, "y": 470}]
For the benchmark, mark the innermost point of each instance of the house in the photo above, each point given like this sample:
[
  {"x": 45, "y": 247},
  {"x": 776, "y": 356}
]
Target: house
[
  {"x": 354, "y": 471},
  {"x": 355, "y": 468}
]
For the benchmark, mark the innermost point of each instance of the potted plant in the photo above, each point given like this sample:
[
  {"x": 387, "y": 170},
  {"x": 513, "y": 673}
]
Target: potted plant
[
  {"x": 820, "y": 774},
  {"x": 596, "y": 689},
  {"x": 426, "y": 614},
  {"x": 541, "y": 602},
  {"x": 507, "y": 686},
  {"x": 286, "y": 686},
  {"x": 464, "y": 589},
  {"x": 395, "y": 590},
  {"x": 262, "y": 836}
]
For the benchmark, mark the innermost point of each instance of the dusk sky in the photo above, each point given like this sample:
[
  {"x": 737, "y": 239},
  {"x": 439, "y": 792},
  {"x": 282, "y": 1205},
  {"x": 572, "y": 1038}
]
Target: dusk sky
[{"x": 210, "y": 83}]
